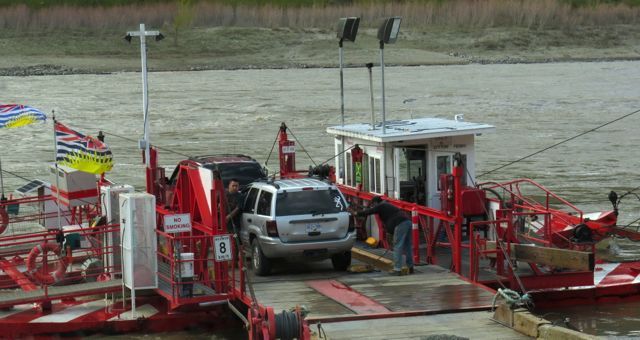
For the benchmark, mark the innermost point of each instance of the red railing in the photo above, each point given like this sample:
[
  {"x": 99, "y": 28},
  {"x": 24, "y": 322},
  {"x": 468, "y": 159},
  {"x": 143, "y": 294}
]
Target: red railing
[
  {"x": 430, "y": 221},
  {"x": 190, "y": 272}
]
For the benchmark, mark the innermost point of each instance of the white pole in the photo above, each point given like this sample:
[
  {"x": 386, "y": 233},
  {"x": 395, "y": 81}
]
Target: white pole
[
  {"x": 384, "y": 118},
  {"x": 145, "y": 93},
  {"x": 1, "y": 181},
  {"x": 55, "y": 159}
]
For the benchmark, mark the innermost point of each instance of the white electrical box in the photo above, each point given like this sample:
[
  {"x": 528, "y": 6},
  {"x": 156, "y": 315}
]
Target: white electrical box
[
  {"x": 110, "y": 201},
  {"x": 76, "y": 188},
  {"x": 138, "y": 224}
]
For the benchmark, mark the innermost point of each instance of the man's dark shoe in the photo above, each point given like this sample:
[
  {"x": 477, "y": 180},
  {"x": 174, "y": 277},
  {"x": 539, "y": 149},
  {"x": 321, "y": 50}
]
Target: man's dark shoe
[
  {"x": 395, "y": 273},
  {"x": 411, "y": 271}
]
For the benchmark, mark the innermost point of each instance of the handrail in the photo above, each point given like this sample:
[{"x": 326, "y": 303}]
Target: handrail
[
  {"x": 406, "y": 206},
  {"x": 516, "y": 182}
]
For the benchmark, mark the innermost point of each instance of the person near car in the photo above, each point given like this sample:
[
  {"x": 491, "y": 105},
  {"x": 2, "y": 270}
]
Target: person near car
[
  {"x": 233, "y": 206},
  {"x": 396, "y": 223}
]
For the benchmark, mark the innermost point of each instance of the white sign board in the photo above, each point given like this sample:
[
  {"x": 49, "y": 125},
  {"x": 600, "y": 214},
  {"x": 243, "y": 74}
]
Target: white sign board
[
  {"x": 177, "y": 223},
  {"x": 223, "y": 248},
  {"x": 289, "y": 149}
]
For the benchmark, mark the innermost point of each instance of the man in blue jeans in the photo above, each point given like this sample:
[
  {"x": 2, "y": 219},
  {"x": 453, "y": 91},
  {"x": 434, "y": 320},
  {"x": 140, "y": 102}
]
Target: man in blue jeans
[{"x": 398, "y": 224}]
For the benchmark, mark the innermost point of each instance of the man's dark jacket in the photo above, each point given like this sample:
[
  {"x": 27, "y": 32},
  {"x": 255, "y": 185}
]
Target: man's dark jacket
[{"x": 390, "y": 215}]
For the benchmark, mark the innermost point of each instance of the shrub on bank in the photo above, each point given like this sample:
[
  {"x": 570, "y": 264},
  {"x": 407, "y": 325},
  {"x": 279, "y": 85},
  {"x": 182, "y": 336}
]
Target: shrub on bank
[{"x": 120, "y": 14}]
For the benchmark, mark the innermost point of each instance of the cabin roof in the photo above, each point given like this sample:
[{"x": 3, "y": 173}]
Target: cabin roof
[{"x": 410, "y": 129}]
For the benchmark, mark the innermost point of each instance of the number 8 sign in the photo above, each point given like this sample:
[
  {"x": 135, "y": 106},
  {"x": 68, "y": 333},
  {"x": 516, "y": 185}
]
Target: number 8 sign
[{"x": 223, "y": 248}]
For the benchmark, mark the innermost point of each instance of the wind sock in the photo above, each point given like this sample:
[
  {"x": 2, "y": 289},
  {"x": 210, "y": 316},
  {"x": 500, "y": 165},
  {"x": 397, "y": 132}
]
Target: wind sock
[
  {"x": 81, "y": 152},
  {"x": 14, "y": 115}
]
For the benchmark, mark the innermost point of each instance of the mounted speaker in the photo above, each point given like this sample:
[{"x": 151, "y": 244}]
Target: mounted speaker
[
  {"x": 348, "y": 28},
  {"x": 388, "y": 32}
]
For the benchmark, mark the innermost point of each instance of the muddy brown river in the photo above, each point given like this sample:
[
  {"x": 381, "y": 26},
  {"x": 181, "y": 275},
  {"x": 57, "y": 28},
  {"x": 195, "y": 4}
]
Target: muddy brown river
[{"x": 533, "y": 106}]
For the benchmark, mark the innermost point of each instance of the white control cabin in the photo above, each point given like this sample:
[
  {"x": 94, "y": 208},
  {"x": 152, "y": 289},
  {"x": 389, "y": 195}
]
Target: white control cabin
[{"x": 406, "y": 160}]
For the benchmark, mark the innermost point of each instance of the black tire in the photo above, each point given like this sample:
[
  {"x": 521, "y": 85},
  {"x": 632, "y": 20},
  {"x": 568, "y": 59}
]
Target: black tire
[
  {"x": 260, "y": 263},
  {"x": 341, "y": 261}
]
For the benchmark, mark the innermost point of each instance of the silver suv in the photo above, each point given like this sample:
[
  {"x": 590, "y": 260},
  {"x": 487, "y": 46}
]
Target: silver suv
[{"x": 296, "y": 219}]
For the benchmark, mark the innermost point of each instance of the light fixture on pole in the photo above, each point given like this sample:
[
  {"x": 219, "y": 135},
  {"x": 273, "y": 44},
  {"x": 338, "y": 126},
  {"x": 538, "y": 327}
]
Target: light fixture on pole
[
  {"x": 347, "y": 30},
  {"x": 144, "y": 143},
  {"x": 387, "y": 33},
  {"x": 143, "y": 33}
]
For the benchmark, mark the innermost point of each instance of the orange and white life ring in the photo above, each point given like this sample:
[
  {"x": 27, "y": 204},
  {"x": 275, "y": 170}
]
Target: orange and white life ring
[
  {"x": 46, "y": 277},
  {"x": 4, "y": 220}
]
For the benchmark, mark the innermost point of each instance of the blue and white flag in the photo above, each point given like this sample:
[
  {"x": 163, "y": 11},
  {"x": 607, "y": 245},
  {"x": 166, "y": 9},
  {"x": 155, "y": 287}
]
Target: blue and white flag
[{"x": 14, "y": 115}]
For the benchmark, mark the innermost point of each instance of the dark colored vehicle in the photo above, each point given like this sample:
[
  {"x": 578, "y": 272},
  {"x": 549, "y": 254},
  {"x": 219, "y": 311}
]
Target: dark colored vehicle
[{"x": 241, "y": 167}]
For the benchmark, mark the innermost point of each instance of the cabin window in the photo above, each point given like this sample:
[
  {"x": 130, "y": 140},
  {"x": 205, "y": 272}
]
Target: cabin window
[
  {"x": 366, "y": 176},
  {"x": 412, "y": 163},
  {"x": 374, "y": 164},
  {"x": 465, "y": 173},
  {"x": 339, "y": 149},
  {"x": 445, "y": 164}
]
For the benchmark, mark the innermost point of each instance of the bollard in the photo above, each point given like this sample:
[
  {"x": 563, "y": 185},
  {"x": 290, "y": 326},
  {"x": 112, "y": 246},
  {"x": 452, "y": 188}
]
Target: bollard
[{"x": 415, "y": 236}]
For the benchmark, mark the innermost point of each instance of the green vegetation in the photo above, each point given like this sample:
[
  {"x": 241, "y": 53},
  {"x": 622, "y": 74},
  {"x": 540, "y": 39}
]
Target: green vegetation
[
  {"x": 241, "y": 34},
  {"x": 285, "y": 3},
  {"x": 459, "y": 14}
]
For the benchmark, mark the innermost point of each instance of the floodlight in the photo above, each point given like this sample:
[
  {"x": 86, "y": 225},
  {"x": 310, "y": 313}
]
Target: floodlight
[
  {"x": 348, "y": 28},
  {"x": 159, "y": 37},
  {"x": 388, "y": 31},
  {"x": 128, "y": 38}
]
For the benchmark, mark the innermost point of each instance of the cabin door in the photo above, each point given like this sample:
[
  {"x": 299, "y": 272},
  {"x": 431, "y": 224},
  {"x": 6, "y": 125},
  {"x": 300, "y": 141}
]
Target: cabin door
[
  {"x": 412, "y": 174},
  {"x": 443, "y": 165}
]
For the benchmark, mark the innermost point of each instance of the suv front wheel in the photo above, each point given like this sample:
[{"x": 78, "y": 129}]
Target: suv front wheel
[
  {"x": 259, "y": 262},
  {"x": 341, "y": 261}
]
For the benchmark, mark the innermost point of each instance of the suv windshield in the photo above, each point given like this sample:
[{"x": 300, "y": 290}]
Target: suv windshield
[{"x": 313, "y": 202}]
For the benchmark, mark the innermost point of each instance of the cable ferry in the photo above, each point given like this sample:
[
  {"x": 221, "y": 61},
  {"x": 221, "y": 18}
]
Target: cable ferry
[{"x": 79, "y": 254}]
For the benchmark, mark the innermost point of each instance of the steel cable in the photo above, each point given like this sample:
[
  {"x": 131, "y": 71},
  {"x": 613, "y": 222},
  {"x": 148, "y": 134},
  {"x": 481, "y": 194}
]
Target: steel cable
[{"x": 559, "y": 143}]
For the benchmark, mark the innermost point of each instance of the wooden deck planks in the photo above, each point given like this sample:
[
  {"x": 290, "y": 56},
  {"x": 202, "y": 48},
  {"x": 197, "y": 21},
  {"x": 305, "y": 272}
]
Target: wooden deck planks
[
  {"x": 443, "y": 295},
  {"x": 472, "y": 325},
  {"x": 285, "y": 295},
  {"x": 431, "y": 289}
]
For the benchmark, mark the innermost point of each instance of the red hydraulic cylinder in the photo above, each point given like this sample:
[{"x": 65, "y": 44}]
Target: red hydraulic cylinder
[{"x": 415, "y": 235}]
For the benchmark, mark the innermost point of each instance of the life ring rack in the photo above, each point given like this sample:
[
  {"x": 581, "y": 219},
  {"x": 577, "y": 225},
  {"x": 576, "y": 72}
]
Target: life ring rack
[
  {"x": 4, "y": 219},
  {"x": 46, "y": 277}
]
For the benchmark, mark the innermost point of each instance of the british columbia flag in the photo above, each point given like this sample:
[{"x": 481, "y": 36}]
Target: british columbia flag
[
  {"x": 78, "y": 151},
  {"x": 14, "y": 115}
]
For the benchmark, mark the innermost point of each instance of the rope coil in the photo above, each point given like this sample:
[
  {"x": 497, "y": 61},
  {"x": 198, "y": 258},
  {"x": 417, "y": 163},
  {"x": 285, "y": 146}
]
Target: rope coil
[{"x": 513, "y": 299}]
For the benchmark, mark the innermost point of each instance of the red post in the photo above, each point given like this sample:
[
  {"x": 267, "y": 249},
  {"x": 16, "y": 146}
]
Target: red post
[
  {"x": 457, "y": 197},
  {"x": 416, "y": 235},
  {"x": 286, "y": 152}
]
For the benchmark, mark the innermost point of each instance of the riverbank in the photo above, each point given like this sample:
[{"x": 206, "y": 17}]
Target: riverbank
[{"x": 57, "y": 53}]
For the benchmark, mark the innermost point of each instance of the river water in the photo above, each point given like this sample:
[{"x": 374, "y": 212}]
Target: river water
[{"x": 533, "y": 106}]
